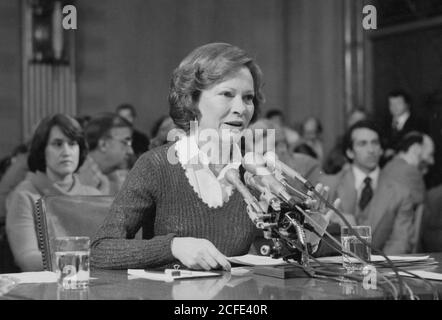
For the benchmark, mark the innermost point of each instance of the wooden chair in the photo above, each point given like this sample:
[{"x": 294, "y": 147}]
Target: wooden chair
[
  {"x": 61, "y": 216},
  {"x": 418, "y": 214}
]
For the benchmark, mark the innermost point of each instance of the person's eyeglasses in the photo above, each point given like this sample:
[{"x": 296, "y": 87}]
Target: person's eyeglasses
[{"x": 125, "y": 142}]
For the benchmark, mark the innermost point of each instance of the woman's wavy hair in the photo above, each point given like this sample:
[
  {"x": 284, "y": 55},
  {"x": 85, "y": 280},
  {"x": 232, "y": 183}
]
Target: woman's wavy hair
[
  {"x": 69, "y": 126},
  {"x": 203, "y": 68}
]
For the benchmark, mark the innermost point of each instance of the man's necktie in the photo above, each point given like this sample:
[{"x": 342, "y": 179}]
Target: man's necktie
[{"x": 366, "y": 194}]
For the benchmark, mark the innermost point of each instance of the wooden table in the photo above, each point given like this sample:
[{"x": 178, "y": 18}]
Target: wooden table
[{"x": 114, "y": 284}]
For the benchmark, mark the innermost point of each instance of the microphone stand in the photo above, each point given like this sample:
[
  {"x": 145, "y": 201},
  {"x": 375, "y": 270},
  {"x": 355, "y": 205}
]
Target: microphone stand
[{"x": 284, "y": 226}]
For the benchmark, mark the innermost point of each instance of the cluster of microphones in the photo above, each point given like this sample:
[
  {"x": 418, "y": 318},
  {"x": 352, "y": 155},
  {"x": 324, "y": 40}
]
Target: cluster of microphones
[
  {"x": 266, "y": 175},
  {"x": 261, "y": 175}
]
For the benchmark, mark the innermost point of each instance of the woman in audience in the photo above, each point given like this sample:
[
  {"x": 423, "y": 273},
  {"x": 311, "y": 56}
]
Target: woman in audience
[
  {"x": 57, "y": 149},
  {"x": 178, "y": 192}
]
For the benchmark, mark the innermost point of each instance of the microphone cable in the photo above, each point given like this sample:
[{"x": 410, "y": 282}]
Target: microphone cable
[
  {"x": 311, "y": 188},
  {"x": 336, "y": 274},
  {"x": 395, "y": 293},
  {"x": 323, "y": 274},
  {"x": 339, "y": 249}
]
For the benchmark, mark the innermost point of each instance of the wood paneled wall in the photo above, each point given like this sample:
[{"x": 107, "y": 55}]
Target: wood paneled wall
[
  {"x": 10, "y": 68},
  {"x": 126, "y": 51},
  {"x": 315, "y": 68}
]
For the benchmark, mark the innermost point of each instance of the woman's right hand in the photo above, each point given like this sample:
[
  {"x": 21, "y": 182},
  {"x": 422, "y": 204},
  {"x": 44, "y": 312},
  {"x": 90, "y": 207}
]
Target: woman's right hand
[{"x": 197, "y": 253}]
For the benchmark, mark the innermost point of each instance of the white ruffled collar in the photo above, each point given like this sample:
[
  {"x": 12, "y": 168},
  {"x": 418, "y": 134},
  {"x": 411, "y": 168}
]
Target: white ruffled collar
[{"x": 213, "y": 191}]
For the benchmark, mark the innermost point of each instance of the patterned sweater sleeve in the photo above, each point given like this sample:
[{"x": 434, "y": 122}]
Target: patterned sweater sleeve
[{"x": 114, "y": 246}]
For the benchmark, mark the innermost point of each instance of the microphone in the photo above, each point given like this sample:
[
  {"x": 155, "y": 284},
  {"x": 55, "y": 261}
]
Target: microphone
[
  {"x": 255, "y": 213},
  {"x": 271, "y": 160},
  {"x": 232, "y": 177},
  {"x": 262, "y": 177}
]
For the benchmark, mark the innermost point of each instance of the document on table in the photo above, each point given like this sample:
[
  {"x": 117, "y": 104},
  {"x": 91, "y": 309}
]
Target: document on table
[
  {"x": 255, "y": 260},
  {"x": 423, "y": 274},
  {"x": 168, "y": 277},
  {"x": 32, "y": 277}
]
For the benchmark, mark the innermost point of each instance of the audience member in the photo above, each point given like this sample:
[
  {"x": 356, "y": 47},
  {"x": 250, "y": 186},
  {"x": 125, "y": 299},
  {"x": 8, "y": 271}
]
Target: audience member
[
  {"x": 6, "y": 162},
  {"x": 109, "y": 138},
  {"x": 355, "y": 115},
  {"x": 160, "y": 131},
  {"x": 83, "y": 120},
  {"x": 156, "y": 127},
  {"x": 57, "y": 149},
  {"x": 140, "y": 141},
  {"x": 16, "y": 168},
  {"x": 311, "y": 135},
  {"x": 306, "y": 165},
  {"x": 336, "y": 159},
  {"x": 414, "y": 151},
  {"x": 277, "y": 117},
  {"x": 306, "y": 149},
  {"x": 402, "y": 120},
  {"x": 370, "y": 198},
  {"x": 427, "y": 159}
]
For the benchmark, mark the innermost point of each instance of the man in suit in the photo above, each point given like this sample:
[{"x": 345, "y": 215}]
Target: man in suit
[
  {"x": 415, "y": 153},
  {"x": 369, "y": 198},
  {"x": 402, "y": 120}
]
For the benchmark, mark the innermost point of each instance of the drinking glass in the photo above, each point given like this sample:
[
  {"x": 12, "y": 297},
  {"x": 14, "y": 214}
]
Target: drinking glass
[
  {"x": 352, "y": 244},
  {"x": 72, "y": 262}
]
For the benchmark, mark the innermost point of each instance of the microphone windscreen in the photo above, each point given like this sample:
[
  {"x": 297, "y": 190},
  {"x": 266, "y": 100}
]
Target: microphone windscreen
[
  {"x": 255, "y": 163},
  {"x": 270, "y": 159}
]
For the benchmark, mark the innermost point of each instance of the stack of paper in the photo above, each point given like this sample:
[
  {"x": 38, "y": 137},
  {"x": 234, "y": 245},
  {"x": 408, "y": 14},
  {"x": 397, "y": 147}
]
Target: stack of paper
[
  {"x": 376, "y": 258},
  {"x": 254, "y": 260},
  {"x": 168, "y": 277},
  {"x": 32, "y": 277},
  {"x": 423, "y": 274},
  {"x": 380, "y": 261}
]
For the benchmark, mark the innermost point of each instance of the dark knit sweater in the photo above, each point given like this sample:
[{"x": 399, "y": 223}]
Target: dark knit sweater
[{"x": 158, "y": 191}]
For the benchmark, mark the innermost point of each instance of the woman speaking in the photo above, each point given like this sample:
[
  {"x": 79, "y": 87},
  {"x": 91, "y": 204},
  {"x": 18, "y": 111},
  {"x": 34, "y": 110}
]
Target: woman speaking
[{"x": 178, "y": 192}]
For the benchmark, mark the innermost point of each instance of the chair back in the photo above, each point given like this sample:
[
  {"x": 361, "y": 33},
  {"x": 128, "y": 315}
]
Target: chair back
[
  {"x": 431, "y": 234},
  {"x": 417, "y": 224},
  {"x": 65, "y": 215}
]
